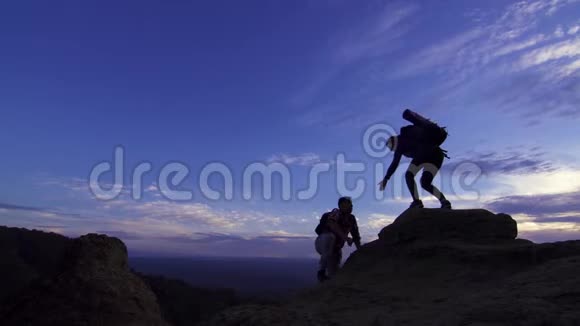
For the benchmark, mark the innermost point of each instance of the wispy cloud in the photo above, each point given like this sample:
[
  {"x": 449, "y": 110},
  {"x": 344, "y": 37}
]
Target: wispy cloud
[
  {"x": 438, "y": 55},
  {"x": 147, "y": 217},
  {"x": 540, "y": 206},
  {"x": 305, "y": 159},
  {"x": 510, "y": 161},
  {"x": 545, "y": 217},
  {"x": 565, "y": 49},
  {"x": 173, "y": 229},
  {"x": 378, "y": 33},
  {"x": 477, "y": 47},
  {"x": 377, "y": 221},
  {"x": 518, "y": 46},
  {"x": 374, "y": 37},
  {"x": 507, "y": 62}
]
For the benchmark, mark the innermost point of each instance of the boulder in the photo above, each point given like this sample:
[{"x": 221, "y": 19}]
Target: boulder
[
  {"x": 443, "y": 224},
  {"x": 95, "y": 287}
]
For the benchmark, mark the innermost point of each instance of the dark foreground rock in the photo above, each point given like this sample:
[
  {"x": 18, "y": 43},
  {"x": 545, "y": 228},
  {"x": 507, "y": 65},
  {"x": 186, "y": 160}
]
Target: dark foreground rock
[
  {"x": 184, "y": 305},
  {"x": 439, "y": 267},
  {"x": 49, "y": 279},
  {"x": 95, "y": 287}
]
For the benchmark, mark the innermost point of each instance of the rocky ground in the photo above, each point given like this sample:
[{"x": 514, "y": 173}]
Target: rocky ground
[{"x": 439, "y": 267}]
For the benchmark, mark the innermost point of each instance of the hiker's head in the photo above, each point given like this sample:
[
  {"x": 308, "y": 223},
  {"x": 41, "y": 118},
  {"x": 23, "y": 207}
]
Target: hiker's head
[
  {"x": 392, "y": 142},
  {"x": 345, "y": 205}
]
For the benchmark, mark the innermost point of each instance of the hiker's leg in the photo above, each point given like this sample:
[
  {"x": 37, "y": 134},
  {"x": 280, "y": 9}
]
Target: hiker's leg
[
  {"x": 410, "y": 178},
  {"x": 334, "y": 262},
  {"x": 318, "y": 246},
  {"x": 430, "y": 169},
  {"x": 324, "y": 245}
]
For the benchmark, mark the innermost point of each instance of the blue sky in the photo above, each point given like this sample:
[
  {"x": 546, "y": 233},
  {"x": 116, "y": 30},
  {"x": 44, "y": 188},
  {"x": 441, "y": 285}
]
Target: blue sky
[{"x": 296, "y": 82}]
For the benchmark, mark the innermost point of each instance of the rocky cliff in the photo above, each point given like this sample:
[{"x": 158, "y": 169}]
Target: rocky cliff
[
  {"x": 93, "y": 287},
  {"x": 48, "y": 279},
  {"x": 439, "y": 267}
]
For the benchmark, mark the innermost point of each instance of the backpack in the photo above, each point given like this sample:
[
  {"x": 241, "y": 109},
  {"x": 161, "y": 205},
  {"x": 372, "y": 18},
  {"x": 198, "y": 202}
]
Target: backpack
[
  {"x": 321, "y": 227},
  {"x": 431, "y": 135},
  {"x": 423, "y": 131}
]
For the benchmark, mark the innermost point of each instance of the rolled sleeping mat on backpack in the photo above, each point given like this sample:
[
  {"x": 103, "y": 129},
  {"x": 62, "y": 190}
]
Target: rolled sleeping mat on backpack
[{"x": 416, "y": 119}]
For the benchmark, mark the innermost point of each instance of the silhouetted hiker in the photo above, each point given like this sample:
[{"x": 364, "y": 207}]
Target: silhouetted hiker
[
  {"x": 333, "y": 231},
  {"x": 421, "y": 142}
]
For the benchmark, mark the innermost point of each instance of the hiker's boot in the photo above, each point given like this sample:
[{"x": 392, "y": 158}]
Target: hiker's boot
[
  {"x": 321, "y": 275},
  {"x": 445, "y": 204},
  {"x": 417, "y": 204}
]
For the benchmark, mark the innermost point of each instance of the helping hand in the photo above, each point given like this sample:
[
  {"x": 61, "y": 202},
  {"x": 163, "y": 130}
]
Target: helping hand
[{"x": 383, "y": 184}]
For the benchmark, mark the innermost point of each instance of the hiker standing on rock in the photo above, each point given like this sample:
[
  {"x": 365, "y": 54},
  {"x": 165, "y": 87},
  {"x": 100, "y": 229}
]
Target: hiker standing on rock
[
  {"x": 333, "y": 231},
  {"x": 421, "y": 142}
]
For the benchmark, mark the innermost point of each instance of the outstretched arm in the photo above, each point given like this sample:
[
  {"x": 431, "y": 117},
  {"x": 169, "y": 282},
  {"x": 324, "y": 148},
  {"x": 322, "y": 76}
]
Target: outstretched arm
[
  {"x": 391, "y": 170},
  {"x": 355, "y": 233}
]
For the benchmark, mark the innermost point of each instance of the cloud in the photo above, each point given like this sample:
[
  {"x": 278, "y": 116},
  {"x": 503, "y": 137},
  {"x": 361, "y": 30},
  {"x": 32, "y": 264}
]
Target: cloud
[
  {"x": 80, "y": 186},
  {"x": 186, "y": 214},
  {"x": 378, "y": 32},
  {"x": 21, "y": 207},
  {"x": 539, "y": 206},
  {"x": 518, "y": 46},
  {"x": 174, "y": 229},
  {"x": 123, "y": 235},
  {"x": 511, "y": 161},
  {"x": 562, "y": 181},
  {"x": 553, "y": 235},
  {"x": 373, "y": 38},
  {"x": 559, "y": 32},
  {"x": 543, "y": 218},
  {"x": 377, "y": 221},
  {"x": 203, "y": 237},
  {"x": 436, "y": 55},
  {"x": 559, "y": 50},
  {"x": 198, "y": 213},
  {"x": 568, "y": 69},
  {"x": 40, "y": 210},
  {"x": 305, "y": 159},
  {"x": 508, "y": 63}
]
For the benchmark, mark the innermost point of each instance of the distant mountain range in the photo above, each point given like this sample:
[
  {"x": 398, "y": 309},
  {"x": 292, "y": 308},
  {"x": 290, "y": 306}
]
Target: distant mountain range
[{"x": 249, "y": 277}]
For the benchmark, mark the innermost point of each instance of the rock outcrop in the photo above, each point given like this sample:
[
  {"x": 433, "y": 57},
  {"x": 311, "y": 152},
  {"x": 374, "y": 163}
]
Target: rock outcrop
[
  {"x": 95, "y": 287},
  {"x": 49, "y": 279},
  {"x": 27, "y": 255},
  {"x": 439, "y": 224},
  {"x": 439, "y": 267}
]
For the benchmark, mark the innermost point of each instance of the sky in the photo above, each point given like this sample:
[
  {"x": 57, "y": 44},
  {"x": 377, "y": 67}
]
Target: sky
[{"x": 299, "y": 86}]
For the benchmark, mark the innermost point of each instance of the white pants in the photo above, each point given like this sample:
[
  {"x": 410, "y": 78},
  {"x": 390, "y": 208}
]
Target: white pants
[{"x": 330, "y": 256}]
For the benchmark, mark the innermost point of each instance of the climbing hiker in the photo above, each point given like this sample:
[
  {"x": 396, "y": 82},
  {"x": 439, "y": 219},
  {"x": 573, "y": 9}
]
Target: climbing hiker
[
  {"x": 333, "y": 232},
  {"x": 421, "y": 142}
]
